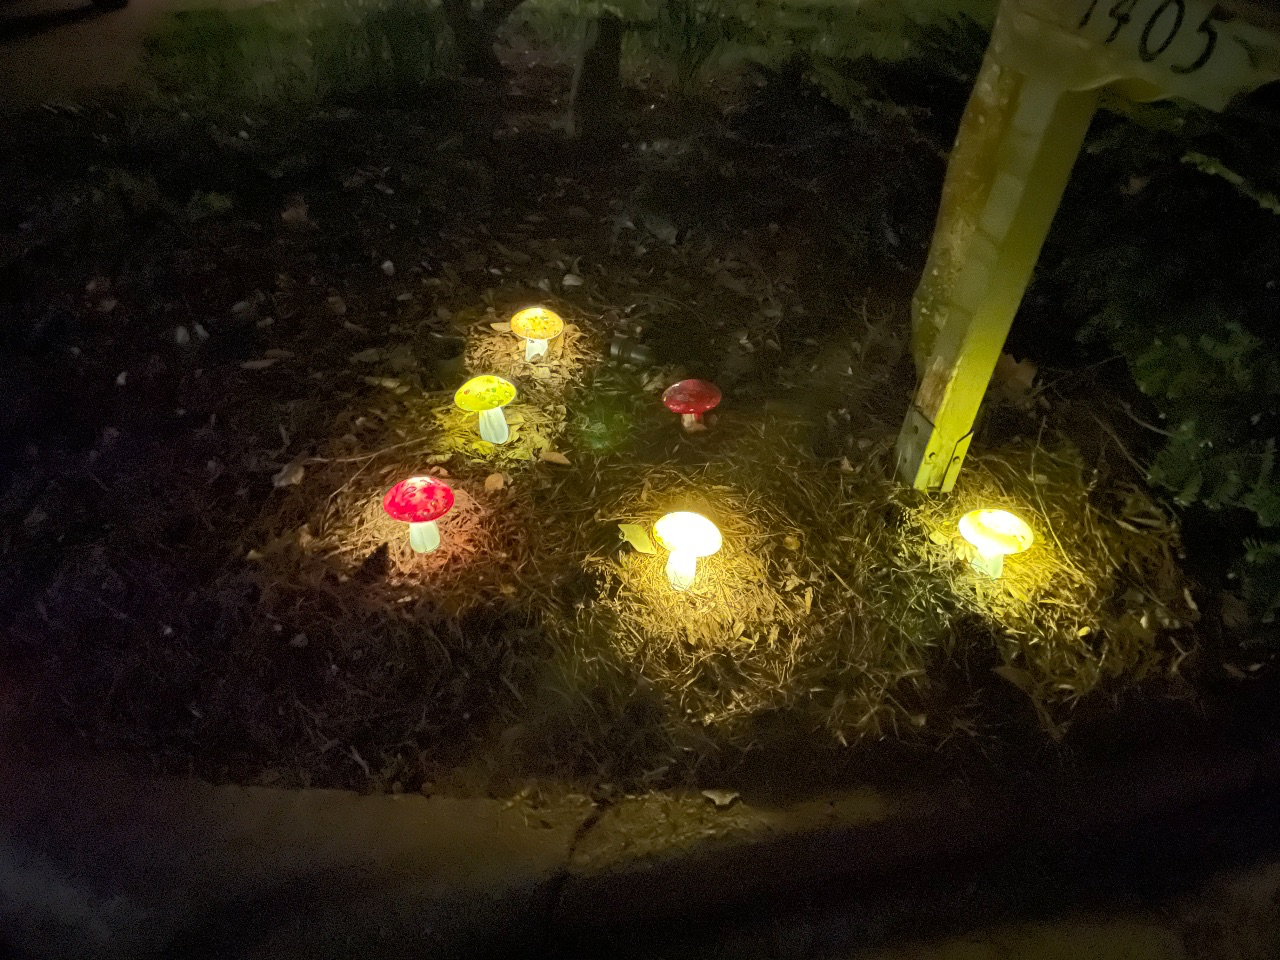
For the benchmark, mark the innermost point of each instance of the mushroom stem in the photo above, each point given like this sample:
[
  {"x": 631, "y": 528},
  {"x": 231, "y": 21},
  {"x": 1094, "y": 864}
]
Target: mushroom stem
[
  {"x": 682, "y": 567},
  {"x": 493, "y": 426},
  {"x": 534, "y": 348},
  {"x": 690, "y": 420},
  {"x": 991, "y": 566},
  {"x": 424, "y": 537}
]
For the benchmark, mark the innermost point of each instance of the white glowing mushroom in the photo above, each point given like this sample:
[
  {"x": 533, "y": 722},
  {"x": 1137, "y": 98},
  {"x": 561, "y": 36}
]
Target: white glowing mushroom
[
  {"x": 688, "y": 536},
  {"x": 537, "y": 326},
  {"x": 995, "y": 534},
  {"x": 487, "y": 395}
]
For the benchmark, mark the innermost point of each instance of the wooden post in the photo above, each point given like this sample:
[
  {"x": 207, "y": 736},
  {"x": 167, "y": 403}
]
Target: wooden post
[{"x": 1021, "y": 132}]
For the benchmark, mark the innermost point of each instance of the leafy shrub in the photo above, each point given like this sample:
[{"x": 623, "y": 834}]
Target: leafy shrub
[
  {"x": 299, "y": 51},
  {"x": 1172, "y": 284}
]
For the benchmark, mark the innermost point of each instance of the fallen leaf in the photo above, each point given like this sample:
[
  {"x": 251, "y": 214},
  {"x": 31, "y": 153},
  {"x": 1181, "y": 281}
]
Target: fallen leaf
[
  {"x": 290, "y": 475},
  {"x": 372, "y": 355},
  {"x": 551, "y": 456},
  {"x": 721, "y": 798},
  {"x": 571, "y": 280},
  {"x": 107, "y": 305},
  {"x": 259, "y": 364},
  {"x": 336, "y": 304},
  {"x": 503, "y": 327},
  {"x": 493, "y": 483},
  {"x": 637, "y": 536},
  {"x": 295, "y": 212},
  {"x": 388, "y": 268}
]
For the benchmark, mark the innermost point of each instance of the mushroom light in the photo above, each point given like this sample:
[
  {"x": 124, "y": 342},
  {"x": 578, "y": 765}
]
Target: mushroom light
[
  {"x": 420, "y": 502},
  {"x": 688, "y": 536},
  {"x": 995, "y": 534},
  {"x": 691, "y": 399},
  {"x": 487, "y": 396},
  {"x": 536, "y": 326}
]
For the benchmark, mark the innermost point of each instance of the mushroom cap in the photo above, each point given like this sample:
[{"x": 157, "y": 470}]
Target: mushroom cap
[
  {"x": 537, "y": 323},
  {"x": 484, "y": 393},
  {"x": 996, "y": 532},
  {"x": 691, "y": 532},
  {"x": 691, "y": 396},
  {"x": 418, "y": 500}
]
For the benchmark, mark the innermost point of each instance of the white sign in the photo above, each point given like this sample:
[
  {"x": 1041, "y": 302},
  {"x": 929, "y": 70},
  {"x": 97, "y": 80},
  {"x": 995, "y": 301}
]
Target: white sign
[{"x": 1156, "y": 48}]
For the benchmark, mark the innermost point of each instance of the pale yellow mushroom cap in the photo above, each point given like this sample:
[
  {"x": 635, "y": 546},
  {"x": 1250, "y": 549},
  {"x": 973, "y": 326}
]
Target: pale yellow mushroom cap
[
  {"x": 484, "y": 393},
  {"x": 996, "y": 533},
  {"x": 691, "y": 532},
  {"x": 537, "y": 323}
]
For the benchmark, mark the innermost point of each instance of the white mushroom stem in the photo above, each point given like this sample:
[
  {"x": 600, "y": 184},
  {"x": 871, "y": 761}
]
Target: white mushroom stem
[
  {"x": 991, "y": 566},
  {"x": 690, "y": 420},
  {"x": 424, "y": 537},
  {"x": 682, "y": 567},
  {"x": 493, "y": 426},
  {"x": 534, "y": 348}
]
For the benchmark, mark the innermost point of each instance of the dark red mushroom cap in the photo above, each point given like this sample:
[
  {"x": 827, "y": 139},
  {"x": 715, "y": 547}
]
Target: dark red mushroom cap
[
  {"x": 418, "y": 500},
  {"x": 691, "y": 396}
]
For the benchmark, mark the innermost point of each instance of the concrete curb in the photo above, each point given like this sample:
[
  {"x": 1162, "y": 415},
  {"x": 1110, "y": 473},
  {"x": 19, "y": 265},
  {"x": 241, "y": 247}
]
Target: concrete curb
[{"x": 117, "y": 866}]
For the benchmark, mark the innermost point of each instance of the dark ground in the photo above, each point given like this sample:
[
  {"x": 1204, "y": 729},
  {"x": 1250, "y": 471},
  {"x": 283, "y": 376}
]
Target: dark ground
[{"x": 168, "y": 354}]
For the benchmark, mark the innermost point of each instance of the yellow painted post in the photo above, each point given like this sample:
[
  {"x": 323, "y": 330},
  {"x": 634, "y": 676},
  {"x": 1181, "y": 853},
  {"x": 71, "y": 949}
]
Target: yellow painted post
[{"x": 1023, "y": 128}]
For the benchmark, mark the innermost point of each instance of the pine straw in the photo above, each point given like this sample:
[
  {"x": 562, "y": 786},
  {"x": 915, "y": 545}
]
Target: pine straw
[
  {"x": 835, "y": 596},
  {"x": 569, "y": 358},
  {"x": 1086, "y": 603}
]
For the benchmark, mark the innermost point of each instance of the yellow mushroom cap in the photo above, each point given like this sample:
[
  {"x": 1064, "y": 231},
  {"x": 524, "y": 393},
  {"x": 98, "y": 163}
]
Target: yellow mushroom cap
[
  {"x": 996, "y": 533},
  {"x": 691, "y": 532},
  {"x": 537, "y": 323},
  {"x": 484, "y": 393}
]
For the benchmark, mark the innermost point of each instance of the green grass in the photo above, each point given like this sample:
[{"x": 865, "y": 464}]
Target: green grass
[
  {"x": 343, "y": 50},
  {"x": 687, "y": 38}
]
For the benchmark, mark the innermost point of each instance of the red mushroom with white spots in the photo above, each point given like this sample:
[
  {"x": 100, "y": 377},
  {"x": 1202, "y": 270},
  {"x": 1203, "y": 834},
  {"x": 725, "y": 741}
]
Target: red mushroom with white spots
[
  {"x": 420, "y": 502},
  {"x": 691, "y": 399}
]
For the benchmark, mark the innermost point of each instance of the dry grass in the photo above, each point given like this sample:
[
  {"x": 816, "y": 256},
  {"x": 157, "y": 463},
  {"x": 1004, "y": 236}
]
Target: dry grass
[
  {"x": 835, "y": 596},
  {"x": 1096, "y": 579}
]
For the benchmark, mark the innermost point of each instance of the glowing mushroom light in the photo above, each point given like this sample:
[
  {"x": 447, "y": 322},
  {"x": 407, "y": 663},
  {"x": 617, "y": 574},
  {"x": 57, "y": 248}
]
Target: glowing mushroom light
[
  {"x": 536, "y": 326},
  {"x": 688, "y": 536},
  {"x": 487, "y": 395},
  {"x": 691, "y": 399},
  {"x": 995, "y": 534},
  {"x": 420, "y": 502}
]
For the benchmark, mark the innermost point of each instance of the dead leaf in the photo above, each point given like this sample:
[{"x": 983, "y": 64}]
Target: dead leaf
[
  {"x": 295, "y": 212},
  {"x": 502, "y": 327},
  {"x": 372, "y": 355},
  {"x": 571, "y": 280},
  {"x": 260, "y": 364},
  {"x": 551, "y": 456},
  {"x": 494, "y": 482},
  {"x": 721, "y": 798},
  {"x": 1016, "y": 379},
  {"x": 290, "y": 475},
  {"x": 336, "y": 304}
]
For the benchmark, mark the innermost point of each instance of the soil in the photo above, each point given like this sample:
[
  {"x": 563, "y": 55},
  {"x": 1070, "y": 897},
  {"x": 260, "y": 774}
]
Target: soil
[{"x": 185, "y": 299}]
